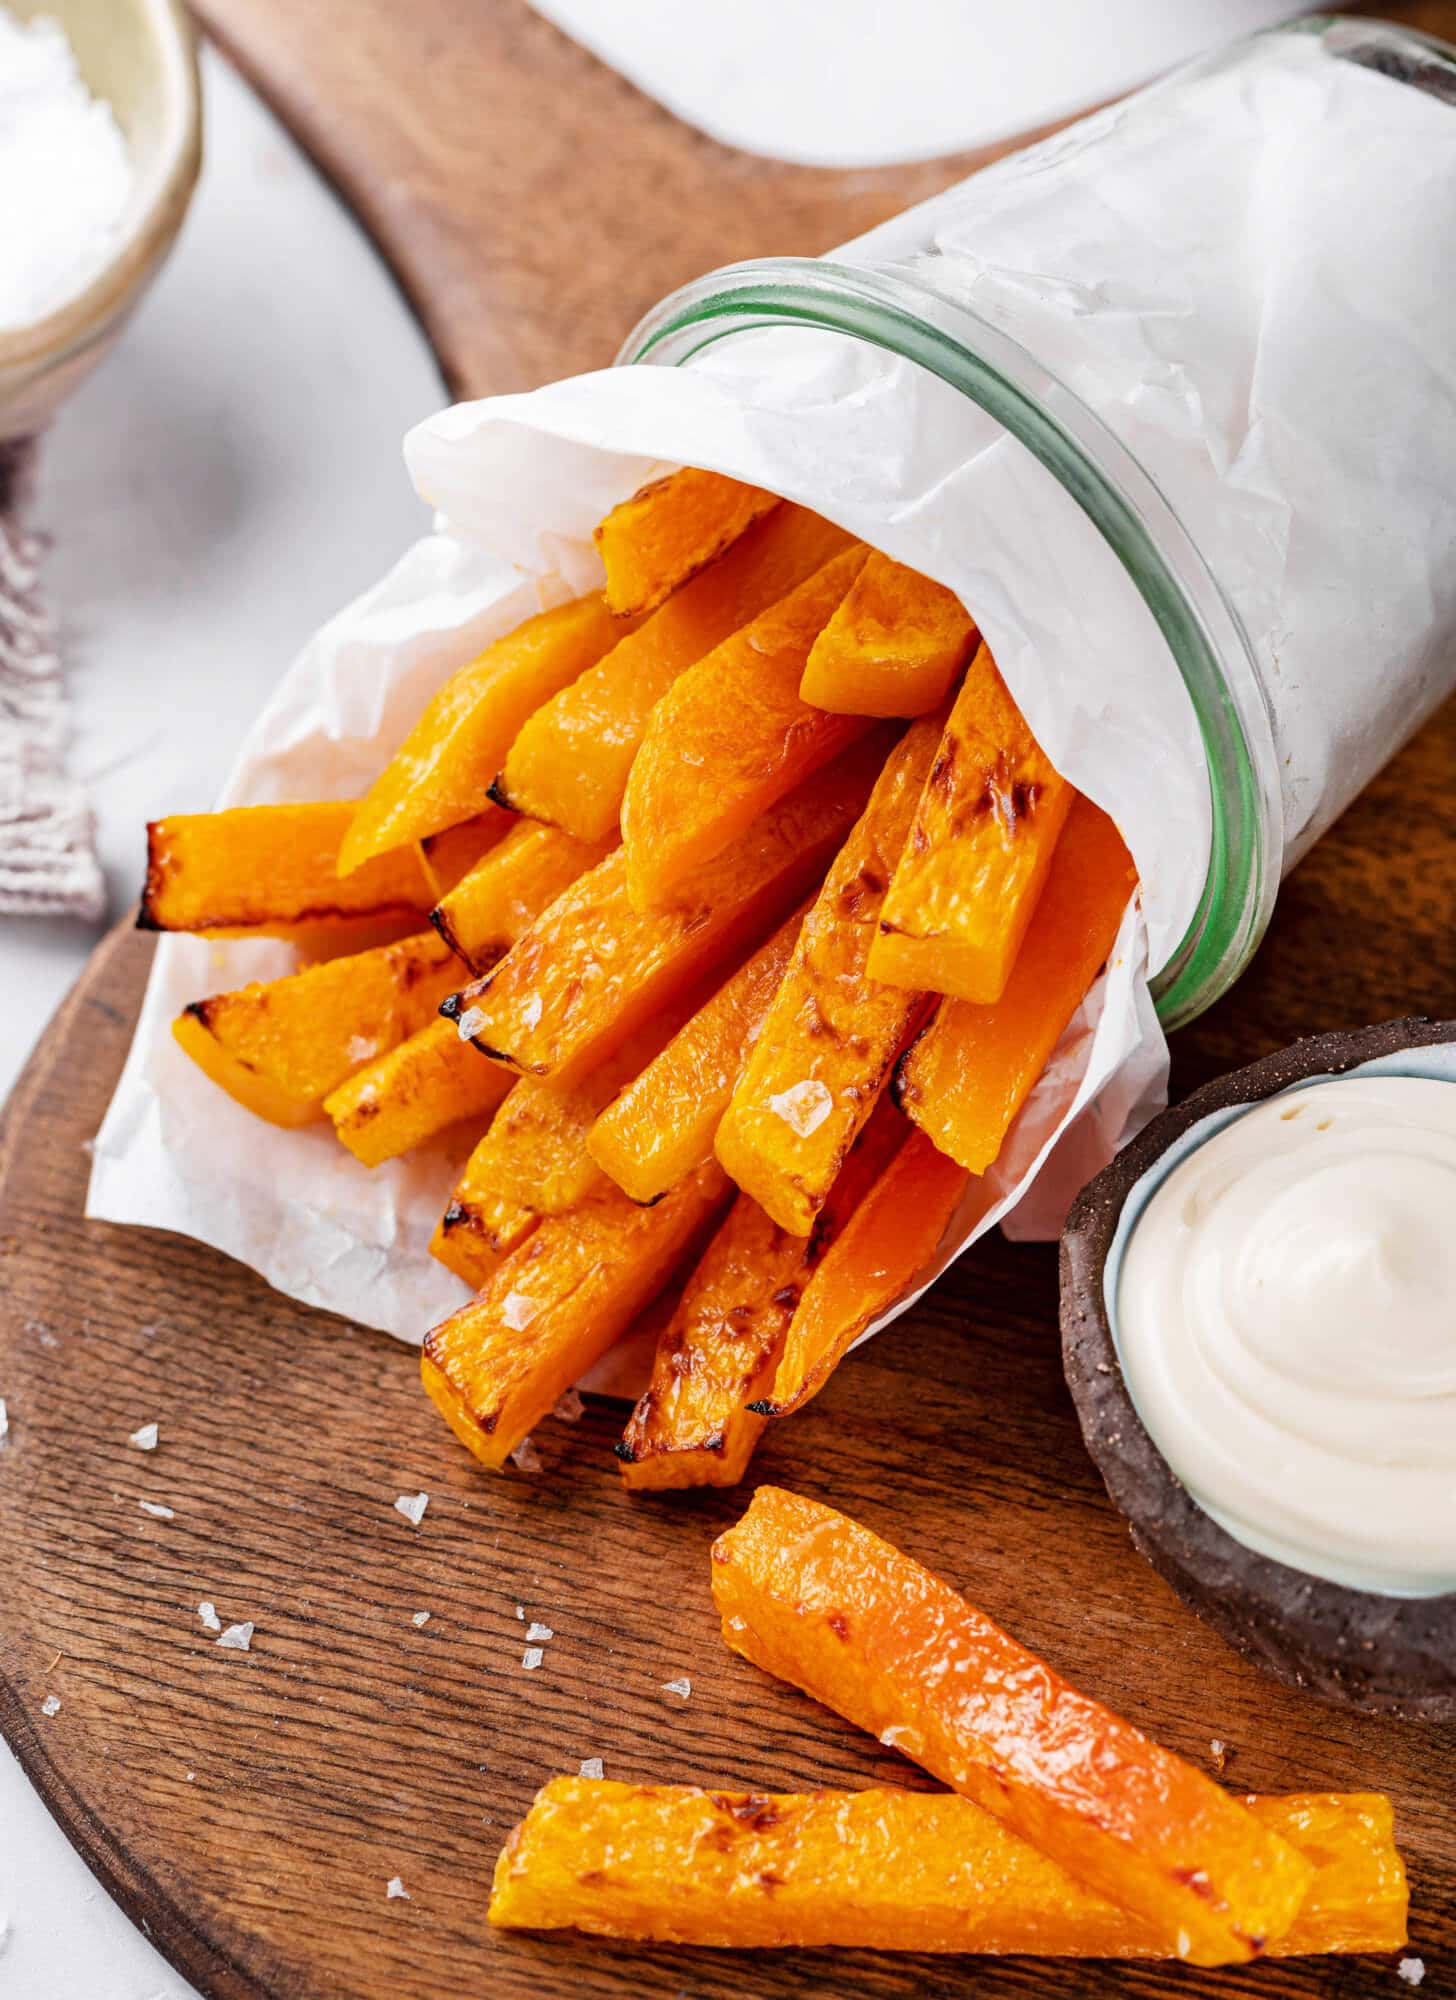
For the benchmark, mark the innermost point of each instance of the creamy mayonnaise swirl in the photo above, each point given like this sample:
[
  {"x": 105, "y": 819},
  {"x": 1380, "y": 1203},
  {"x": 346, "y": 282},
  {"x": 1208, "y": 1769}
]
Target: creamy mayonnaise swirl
[{"x": 1285, "y": 1313}]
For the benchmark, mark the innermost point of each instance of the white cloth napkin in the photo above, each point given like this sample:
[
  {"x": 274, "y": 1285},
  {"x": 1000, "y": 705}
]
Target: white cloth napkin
[{"x": 48, "y": 864}]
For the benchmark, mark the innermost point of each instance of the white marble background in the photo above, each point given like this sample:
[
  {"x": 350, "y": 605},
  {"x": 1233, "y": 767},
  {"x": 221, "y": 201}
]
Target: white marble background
[{"x": 233, "y": 475}]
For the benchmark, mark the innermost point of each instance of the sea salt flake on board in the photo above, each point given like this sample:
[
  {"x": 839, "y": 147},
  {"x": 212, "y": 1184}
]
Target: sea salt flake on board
[
  {"x": 146, "y": 1438},
  {"x": 538, "y": 1634},
  {"x": 682, "y": 1686},
  {"x": 420, "y": 1618},
  {"x": 207, "y": 1612},
  {"x": 238, "y": 1638},
  {"x": 157, "y": 1511},
  {"x": 570, "y": 1408},
  {"x": 51, "y": 1705},
  {"x": 396, "y": 1891},
  {"x": 803, "y": 1106},
  {"x": 4, "y": 1421},
  {"x": 532, "y": 1658},
  {"x": 525, "y": 1457},
  {"x": 412, "y": 1506},
  {"x": 1411, "y": 1970},
  {"x": 590, "y": 1767}
]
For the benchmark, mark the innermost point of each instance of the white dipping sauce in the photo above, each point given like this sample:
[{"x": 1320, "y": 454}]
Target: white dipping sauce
[{"x": 1286, "y": 1321}]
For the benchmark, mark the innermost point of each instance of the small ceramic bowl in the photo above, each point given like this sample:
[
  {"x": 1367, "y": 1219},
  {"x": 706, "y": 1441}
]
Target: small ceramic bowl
[
  {"x": 1361, "y": 1648},
  {"x": 141, "y": 57}
]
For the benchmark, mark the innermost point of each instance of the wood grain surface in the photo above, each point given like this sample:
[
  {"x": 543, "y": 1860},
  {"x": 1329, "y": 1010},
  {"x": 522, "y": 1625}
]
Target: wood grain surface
[{"x": 249, "y": 1808}]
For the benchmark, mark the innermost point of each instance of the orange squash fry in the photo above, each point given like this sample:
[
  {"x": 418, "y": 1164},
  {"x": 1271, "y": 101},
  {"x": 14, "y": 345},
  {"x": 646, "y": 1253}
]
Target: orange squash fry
[
  {"x": 832, "y": 1033},
  {"x": 502, "y": 896},
  {"x": 266, "y": 871},
  {"x": 978, "y": 854},
  {"x": 890, "y": 1870},
  {"x": 809, "y": 1595},
  {"x": 555, "y": 1306},
  {"x": 441, "y": 773},
  {"x": 969, "y": 1072},
  {"x": 420, "y": 1089},
  {"x": 477, "y": 1230},
  {"x": 302, "y": 1035},
  {"x": 591, "y": 969},
  {"x": 535, "y": 1151},
  {"x": 893, "y": 647},
  {"x": 653, "y": 543},
  {"x": 892, "y": 1236},
  {"x": 661, "y": 1126},
  {"x": 569, "y": 764},
  {"x": 729, "y": 738},
  {"x": 449, "y": 857},
  {"x": 694, "y": 1425}
]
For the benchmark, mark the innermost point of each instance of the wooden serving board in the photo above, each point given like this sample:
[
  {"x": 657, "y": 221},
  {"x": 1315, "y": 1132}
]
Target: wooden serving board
[{"x": 249, "y": 1809}]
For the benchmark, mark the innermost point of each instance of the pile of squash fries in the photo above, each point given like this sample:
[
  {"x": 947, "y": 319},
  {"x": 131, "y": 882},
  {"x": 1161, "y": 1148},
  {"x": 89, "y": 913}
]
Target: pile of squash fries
[
  {"x": 732, "y": 912},
  {"x": 1066, "y": 1831}
]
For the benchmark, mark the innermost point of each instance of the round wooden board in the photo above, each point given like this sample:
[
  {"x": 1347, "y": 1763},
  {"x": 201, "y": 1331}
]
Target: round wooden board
[{"x": 250, "y": 1808}]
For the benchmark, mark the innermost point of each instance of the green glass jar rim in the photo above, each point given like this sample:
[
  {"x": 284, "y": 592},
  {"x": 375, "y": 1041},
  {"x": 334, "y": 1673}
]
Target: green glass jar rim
[{"x": 888, "y": 308}]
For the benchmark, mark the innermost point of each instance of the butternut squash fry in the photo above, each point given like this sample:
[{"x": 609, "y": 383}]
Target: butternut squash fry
[
  {"x": 267, "y": 870},
  {"x": 569, "y": 764},
  {"x": 555, "y": 1306},
  {"x": 535, "y": 1151},
  {"x": 304, "y": 1034},
  {"x": 591, "y": 969},
  {"x": 442, "y": 771},
  {"x": 477, "y": 1230},
  {"x": 420, "y": 1089},
  {"x": 891, "y": 1237},
  {"x": 893, "y": 647},
  {"x": 502, "y": 896},
  {"x": 696, "y": 1424},
  {"x": 890, "y": 1870},
  {"x": 729, "y": 737},
  {"x": 970, "y": 1070},
  {"x": 828, "y": 1041},
  {"x": 668, "y": 531},
  {"x": 809, "y": 1595},
  {"x": 450, "y": 856},
  {"x": 978, "y": 854},
  {"x": 661, "y": 1126}
]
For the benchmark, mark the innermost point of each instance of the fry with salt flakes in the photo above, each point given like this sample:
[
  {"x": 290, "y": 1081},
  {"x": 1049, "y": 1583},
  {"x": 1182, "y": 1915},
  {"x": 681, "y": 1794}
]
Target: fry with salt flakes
[
  {"x": 697, "y": 1422},
  {"x": 488, "y": 909},
  {"x": 971, "y": 1069},
  {"x": 592, "y": 969},
  {"x": 478, "y": 1229},
  {"x": 535, "y": 1151},
  {"x": 813, "y": 1597},
  {"x": 891, "y": 1237},
  {"x": 554, "y": 1307},
  {"x": 266, "y": 871},
  {"x": 893, "y": 647},
  {"x": 441, "y": 773},
  {"x": 979, "y": 851},
  {"x": 661, "y": 1125},
  {"x": 729, "y": 738},
  {"x": 890, "y": 1870},
  {"x": 829, "y": 1039},
  {"x": 569, "y": 764},
  {"x": 656, "y": 541},
  {"x": 428, "y": 1084},
  {"x": 280, "y": 1046}
]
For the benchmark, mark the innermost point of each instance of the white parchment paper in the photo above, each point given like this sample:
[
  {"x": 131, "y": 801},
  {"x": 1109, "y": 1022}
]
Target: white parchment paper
[{"x": 1186, "y": 270}]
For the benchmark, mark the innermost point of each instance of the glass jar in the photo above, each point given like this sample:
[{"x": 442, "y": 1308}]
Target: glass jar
[{"x": 1220, "y": 316}]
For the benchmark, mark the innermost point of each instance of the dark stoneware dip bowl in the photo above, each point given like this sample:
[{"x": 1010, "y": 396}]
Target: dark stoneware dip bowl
[{"x": 1357, "y": 1647}]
